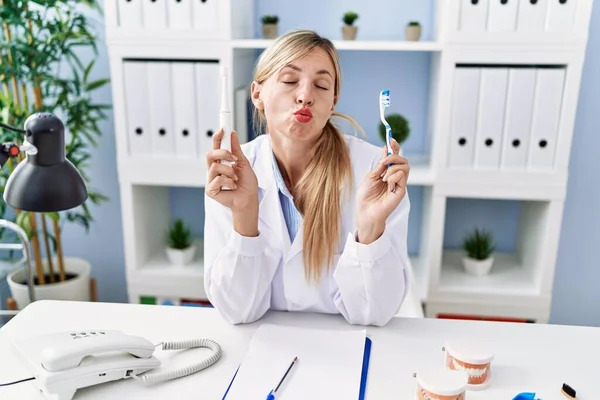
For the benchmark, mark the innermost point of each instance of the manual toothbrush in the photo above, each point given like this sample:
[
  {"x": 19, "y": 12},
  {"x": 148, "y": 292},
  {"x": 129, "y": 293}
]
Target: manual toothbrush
[{"x": 384, "y": 102}]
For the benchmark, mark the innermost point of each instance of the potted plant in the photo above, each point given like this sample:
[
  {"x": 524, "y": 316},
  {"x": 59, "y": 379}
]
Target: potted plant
[
  {"x": 400, "y": 128},
  {"x": 180, "y": 244},
  {"x": 43, "y": 72},
  {"x": 413, "y": 31},
  {"x": 270, "y": 26},
  {"x": 479, "y": 249},
  {"x": 349, "y": 30}
]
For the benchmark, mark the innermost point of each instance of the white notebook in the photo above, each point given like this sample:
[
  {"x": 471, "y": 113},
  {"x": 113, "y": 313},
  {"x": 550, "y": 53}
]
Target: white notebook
[{"x": 329, "y": 364}]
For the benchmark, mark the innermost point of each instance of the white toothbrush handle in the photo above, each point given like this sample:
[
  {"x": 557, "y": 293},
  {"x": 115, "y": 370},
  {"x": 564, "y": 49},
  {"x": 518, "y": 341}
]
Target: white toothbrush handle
[{"x": 225, "y": 123}]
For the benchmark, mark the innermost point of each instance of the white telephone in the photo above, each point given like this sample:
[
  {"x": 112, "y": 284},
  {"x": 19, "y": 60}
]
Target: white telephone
[{"x": 63, "y": 362}]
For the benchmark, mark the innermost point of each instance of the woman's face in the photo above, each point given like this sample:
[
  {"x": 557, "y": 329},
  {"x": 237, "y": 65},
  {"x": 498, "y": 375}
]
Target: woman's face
[{"x": 298, "y": 100}]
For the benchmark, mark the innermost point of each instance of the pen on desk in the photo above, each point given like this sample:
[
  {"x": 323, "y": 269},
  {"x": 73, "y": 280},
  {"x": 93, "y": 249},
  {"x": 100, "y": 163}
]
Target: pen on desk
[{"x": 271, "y": 395}]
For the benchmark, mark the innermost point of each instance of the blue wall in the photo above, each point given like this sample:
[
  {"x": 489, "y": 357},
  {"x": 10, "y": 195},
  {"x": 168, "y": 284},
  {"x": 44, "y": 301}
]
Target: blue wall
[{"x": 407, "y": 75}]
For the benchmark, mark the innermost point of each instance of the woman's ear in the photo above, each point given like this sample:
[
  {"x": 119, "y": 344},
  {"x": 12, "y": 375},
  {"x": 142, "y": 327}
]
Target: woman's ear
[{"x": 255, "y": 95}]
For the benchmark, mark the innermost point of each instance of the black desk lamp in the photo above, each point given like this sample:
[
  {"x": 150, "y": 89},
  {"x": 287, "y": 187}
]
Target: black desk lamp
[{"x": 45, "y": 181}]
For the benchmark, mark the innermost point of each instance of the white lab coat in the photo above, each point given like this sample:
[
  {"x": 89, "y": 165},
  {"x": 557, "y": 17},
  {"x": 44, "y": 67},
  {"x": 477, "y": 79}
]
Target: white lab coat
[{"x": 246, "y": 276}]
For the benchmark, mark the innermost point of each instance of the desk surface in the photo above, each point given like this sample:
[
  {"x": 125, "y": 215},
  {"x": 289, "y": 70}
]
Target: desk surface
[{"x": 529, "y": 357}]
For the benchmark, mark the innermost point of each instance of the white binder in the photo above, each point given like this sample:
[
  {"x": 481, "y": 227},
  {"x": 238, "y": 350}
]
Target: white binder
[
  {"x": 208, "y": 95},
  {"x": 179, "y": 13},
  {"x": 473, "y": 15},
  {"x": 492, "y": 101},
  {"x": 161, "y": 114},
  {"x": 546, "y": 117},
  {"x": 517, "y": 125},
  {"x": 464, "y": 116},
  {"x": 130, "y": 13},
  {"x": 136, "y": 104},
  {"x": 155, "y": 14},
  {"x": 532, "y": 16},
  {"x": 184, "y": 110},
  {"x": 205, "y": 15},
  {"x": 560, "y": 15},
  {"x": 503, "y": 15}
]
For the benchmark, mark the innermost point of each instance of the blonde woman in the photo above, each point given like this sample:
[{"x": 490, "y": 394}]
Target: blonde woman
[{"x": 316, "y": 220}]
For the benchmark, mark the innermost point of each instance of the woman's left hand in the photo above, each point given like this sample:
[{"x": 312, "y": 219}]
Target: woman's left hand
[{"x": 380, "y": 193}]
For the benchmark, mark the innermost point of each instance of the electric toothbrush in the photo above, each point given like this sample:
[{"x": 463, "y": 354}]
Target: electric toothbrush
[{"x": 225, "y": 119}]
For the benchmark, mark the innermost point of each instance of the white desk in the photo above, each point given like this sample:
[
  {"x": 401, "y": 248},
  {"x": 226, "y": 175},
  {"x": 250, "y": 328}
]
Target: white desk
[{"x": 529, "y": 358}]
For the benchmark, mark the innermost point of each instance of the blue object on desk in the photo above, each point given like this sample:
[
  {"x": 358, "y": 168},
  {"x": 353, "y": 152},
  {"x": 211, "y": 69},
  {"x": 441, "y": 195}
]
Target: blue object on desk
[
  {"x": 363, "y": 377},
  {"x": 525, "y": 396}
]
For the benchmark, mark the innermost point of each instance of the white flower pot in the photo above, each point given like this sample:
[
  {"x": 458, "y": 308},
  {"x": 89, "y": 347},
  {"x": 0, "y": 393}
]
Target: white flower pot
[
  {"x": 478, "y": 267},
  {"x": 75, "y": 288},
  {"x": 181, "y": 257}
]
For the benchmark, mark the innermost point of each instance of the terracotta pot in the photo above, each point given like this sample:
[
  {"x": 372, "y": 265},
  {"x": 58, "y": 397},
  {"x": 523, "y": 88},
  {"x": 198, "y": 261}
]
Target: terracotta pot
[
  {"x": 349, "y": 32},
  {"x": 413, "y": 33},
  {"x": 270, "y": 31}
]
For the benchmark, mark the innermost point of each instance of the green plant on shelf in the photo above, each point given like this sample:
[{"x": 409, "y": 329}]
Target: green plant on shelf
[
  {"x": 399, "y": 125},
  {"x": 479, "y": 245},
  {"x": 350, "y": 17},
  {"x": 270, "y": 19},
  {"x": 179, "y": 236}
]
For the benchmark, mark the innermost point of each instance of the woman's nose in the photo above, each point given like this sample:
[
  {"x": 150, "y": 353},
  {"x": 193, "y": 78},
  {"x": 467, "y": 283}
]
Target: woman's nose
[{"x": 305, "y": 97}]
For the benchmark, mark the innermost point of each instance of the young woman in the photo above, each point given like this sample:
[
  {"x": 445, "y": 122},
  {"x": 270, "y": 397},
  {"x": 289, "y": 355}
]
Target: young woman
[{"x": 316, "y": 220}]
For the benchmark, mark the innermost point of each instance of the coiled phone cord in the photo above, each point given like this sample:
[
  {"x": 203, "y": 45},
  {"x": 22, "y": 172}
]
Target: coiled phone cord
[{"x": 156, "y": 377}]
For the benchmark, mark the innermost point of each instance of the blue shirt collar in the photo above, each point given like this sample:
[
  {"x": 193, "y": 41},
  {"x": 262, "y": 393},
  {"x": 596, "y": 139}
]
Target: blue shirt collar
[{"x": 279, "y": 178}]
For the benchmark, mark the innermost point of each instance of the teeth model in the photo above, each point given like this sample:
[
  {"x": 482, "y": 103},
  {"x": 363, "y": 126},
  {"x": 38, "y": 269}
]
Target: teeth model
[
  {"x": 424, "y": 395},
  {"x": 473, "y": 372}
]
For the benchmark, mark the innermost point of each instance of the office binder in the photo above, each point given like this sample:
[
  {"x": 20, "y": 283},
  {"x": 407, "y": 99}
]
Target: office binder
[
  {"x": 184, "y": 110},
  {"x": 473, "y": 16},
  {"x": 519, "y": 109},
  {"x": 208, "y": 97},
  {"x": 503, "y": 16},
  {"x": 155, "y": 14},
  {"x": 492, "y": 99},
  {"x": 532, "y": 16},
  {"x": 179, "y": 14},
  {"x": 363, "y": 377},
  {"x": 160, "y": 107},
  {"x": 137, "y": 108},
  {"x": 130, "y": 13},
  {"x": 205, "y": 15},
  {"x": 464, "y": 117},
  {"x": 561, "y": 16}
]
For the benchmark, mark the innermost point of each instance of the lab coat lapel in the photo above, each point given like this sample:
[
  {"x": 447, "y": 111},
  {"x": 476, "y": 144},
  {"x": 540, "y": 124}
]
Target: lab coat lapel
[{"x": 270, "y": 213}]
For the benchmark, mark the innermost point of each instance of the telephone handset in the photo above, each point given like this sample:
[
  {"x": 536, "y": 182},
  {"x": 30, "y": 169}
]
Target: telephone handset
[
  {"x": 68, "y": 351},
  {"x": 63, "y": 362}
]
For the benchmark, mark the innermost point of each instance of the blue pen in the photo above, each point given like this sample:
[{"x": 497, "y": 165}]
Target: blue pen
[{"x": 271, "y": 395}]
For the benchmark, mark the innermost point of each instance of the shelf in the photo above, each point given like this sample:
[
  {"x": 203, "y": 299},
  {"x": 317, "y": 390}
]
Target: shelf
[
  {"x": 360, "y": 45},
  {"x": 508, "y": 277},
  {"x": 159, "y": 277},
  {"x": 421, "y": 172}
]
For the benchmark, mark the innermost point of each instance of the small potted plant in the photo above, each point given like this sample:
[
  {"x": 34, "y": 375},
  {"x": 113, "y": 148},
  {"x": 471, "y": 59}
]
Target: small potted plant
[
  {"x": 270, "y": 26},
  {"x": 180, "y": 245},
  {"x": 400, "y": 128},
  {"x": 349, "y": 30},
  {"x": 413, "y": 31},
  {"x": 479, "y": 249}
]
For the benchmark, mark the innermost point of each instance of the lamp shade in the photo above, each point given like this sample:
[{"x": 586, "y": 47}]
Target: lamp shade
[{"x": 45, "y": 181}]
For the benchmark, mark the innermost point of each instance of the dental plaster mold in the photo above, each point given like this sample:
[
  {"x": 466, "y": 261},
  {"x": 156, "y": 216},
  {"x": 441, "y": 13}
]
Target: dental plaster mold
[
  {"x": 476, "y": 363},
  {"x": 441, "y": 384}
]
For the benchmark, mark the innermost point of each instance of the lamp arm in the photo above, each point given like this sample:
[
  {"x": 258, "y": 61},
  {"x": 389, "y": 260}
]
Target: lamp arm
[{"x": 26, "y": 252}]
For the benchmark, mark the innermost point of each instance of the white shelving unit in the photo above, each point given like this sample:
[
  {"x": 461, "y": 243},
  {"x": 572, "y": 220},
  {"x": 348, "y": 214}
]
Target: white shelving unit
[{"x": 505, "y": 80}]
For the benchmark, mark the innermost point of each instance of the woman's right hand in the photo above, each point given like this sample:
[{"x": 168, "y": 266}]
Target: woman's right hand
[{"x": 242, "y": 199}]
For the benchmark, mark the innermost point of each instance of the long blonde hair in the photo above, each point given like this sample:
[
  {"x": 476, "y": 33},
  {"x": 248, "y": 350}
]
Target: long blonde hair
[{"x": 317, "y": 195}]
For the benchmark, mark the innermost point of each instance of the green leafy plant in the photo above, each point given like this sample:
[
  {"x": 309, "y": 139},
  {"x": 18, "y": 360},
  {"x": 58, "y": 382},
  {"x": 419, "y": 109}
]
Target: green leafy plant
[
  {"x": 41, "y": 71},
  {"x": 400, "y": 127},
  {"x": 270, "y": 19},
  {"x": 350, "y": 17},
  {"x": 414, "y": 23},
  {"x": 179, "y": 236},
  {"x": 479, "y": 244}
]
